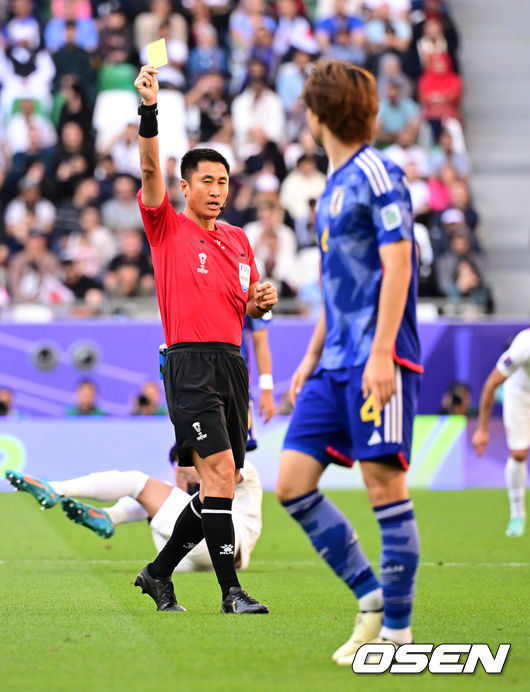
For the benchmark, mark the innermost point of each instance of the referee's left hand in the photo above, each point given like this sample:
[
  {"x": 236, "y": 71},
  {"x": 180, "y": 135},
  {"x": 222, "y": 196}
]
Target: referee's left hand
[{"x": 266, "y": 295}]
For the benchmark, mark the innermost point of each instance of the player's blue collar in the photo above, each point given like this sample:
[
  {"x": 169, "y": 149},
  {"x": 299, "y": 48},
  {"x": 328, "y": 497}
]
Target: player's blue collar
[{"x": 346, "y": 163}]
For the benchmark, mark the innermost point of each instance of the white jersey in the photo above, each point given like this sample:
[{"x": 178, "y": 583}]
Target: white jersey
[
  {"x": 515, "y": 365},
  {"x": 246, "y": 515}
]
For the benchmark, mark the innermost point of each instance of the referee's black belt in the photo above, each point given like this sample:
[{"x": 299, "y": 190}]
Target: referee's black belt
[{"x": 204, "y": 347}]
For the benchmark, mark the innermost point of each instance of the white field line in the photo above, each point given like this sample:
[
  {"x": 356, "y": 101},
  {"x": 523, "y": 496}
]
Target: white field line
[{"x": 275, "y": 563}]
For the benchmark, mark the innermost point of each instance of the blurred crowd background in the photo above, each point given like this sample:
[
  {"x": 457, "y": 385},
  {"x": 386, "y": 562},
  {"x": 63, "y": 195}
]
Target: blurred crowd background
[{"x": 71, "y": 239}]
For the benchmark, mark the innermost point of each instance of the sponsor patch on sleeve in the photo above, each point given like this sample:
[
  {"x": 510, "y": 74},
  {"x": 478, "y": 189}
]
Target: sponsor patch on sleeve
[{"x": 391, "y": 216}]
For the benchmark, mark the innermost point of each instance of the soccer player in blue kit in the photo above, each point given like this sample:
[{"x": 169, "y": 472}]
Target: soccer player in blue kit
[{"x": 357, "y": 386}]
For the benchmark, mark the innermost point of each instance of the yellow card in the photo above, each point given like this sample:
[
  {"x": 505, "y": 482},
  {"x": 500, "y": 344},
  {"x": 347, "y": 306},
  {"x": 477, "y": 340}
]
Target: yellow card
[{"x": 157, "y": 53}]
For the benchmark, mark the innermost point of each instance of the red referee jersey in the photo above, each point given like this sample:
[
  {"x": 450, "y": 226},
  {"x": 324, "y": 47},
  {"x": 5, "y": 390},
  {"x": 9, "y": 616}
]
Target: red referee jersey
[{"x": 202, "y": 277}]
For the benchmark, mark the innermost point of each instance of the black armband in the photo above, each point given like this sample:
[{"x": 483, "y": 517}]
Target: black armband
[{"x": 148, "y": 122}]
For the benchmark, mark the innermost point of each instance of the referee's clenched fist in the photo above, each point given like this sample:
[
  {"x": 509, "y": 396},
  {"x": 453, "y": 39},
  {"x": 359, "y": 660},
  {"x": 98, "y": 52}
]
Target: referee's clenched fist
[{"x": 147, "y": 84}]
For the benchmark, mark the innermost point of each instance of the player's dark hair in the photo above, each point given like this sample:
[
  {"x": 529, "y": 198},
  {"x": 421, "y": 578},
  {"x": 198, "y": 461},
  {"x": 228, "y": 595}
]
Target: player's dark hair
[
  {"x": 344, "y": 98},
  {"x": 191, "y": 159}
]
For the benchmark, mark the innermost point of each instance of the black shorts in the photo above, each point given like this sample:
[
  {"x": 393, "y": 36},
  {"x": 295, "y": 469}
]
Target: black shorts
[{"x": 206, "y": 388}]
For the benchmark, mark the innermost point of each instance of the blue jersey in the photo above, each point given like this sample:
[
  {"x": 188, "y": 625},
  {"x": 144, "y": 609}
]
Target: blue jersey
[
  {"x": 366, "y": 204},
  {"x": 252, "y": 325}
]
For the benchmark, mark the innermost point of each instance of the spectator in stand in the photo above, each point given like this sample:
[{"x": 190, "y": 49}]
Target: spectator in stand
[
  {"x": 86, "y": 404},
  {"x": 445, "y": 154},
  {"x": 34, "y": 157},
  {"x": 115, "y": 38},
  {"x": 258, "y": 104},
  {"x": 306, "y": 145},
  {"x": 29, "y": 203},
  {"x": 206, "y": 56},
  {"x": 439, "y": 186},
  {"x": 383, "y": 33},
  {"x": 390, "y": 68},
  {"x": 172, "y": 75},
  {"x": 434, "y": 43},
  {"x": 73, "y": 61},
  {"x": 259, "y": 152},
  {"x": 17, "y": 133},
  {"x": 343, "y": 49},
  {"x": 427, "y": 284},
  {"x": 290, "y": 82},
  {"x": 440, "y": 93},
  {"x": 291, "y": 26},
  {"x": 468, "y": 284},
  {"x": 419, "y": 191},
  {"x": 300, "y": 186},
  {"x": 121, "y": 211},
  {"x": 74, "y": 159},
  {"x": 274, "y": 246},
  {"x": 147, "y": 24},
  {"x": 130, "y": 273},
  {"x": 85, "y": 28},
  {"x": 149, "y": 401},
  {"x": 23, "y": 17},
  {"x": 76, "y": 108},
  {"x": 405, "y": 151},
  {"x": 208, "y": 102},
  {"x": 69, "y": 210},
  {"x": 263, "y": 50},
  {"x": 94, "y": 246},
  {"x": 460, "y": 199},
  {"x": 87, "y": 291},
  {"x": 125, "y": 153},
  {"x": 25, "y": 70},
  {"x": 459, "y": 249},
  {"x": 327, "y": 29},
  {"x": 246, "y": 20},
  {"x": 396, "y": 112},
  {"x": 30, "y": 268}
]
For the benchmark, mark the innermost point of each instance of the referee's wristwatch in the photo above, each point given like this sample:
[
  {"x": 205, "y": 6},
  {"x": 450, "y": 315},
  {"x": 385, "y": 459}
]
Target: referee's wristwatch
[
  {"x": 262, "y": 310},
  {"x": 149, "y": 111}
]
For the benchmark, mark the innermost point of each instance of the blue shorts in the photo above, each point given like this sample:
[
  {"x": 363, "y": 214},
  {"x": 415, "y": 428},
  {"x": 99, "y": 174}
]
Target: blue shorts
[{"x": 333, "y": 422}]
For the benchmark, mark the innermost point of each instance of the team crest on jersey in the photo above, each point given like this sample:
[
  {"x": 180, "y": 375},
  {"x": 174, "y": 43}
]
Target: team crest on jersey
[
  {"x": 244, "y": 276},
  {"x": 337, "y": 199}
]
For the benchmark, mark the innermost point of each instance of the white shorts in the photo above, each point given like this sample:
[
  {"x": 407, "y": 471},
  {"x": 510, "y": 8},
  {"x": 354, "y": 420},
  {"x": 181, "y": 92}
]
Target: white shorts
[
  {"x": 198, "y": 559},
  {"x": 516, "y": 417}
]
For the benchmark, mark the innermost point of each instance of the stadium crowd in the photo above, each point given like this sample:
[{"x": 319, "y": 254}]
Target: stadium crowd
[{"x": 70, "y": 227}]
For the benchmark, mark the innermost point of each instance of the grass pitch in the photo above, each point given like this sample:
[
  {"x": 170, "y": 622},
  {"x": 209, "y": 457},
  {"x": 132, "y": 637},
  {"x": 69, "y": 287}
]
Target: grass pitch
[{"x": 71, "y": 618}]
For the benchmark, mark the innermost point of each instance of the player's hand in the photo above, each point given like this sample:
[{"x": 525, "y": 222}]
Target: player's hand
[
  {"x": 185, "y": 475},
  {"x": 266, "y": 405},
  {"x": 379, "y": 379},
  {"x": 304, "y": 370},
  {"x": 266, "y": 295},
  {"x": 480, "y": 441},
  {"x": 147, "y": 84}
]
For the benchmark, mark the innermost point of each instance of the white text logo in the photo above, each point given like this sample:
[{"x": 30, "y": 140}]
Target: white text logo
[
  {"x": 442, "y": 659},
  {"x": 202, "y": 259},
  {"x": 200, "y": 434}
]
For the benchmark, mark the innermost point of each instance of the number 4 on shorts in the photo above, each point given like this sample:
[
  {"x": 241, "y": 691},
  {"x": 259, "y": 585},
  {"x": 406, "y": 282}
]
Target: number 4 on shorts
[{"x": 369, "y": 412}]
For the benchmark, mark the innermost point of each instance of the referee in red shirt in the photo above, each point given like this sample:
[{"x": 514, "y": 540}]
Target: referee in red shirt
[{"x": 206, "y": 280}]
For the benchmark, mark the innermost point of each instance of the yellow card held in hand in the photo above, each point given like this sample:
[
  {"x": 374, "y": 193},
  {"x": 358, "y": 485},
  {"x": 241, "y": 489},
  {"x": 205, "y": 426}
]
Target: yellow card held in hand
[{"x": 157, "y": 53}]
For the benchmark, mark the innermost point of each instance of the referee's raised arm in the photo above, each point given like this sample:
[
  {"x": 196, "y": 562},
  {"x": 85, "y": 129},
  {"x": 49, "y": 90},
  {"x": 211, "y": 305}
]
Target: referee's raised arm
[{"x": 153, "y": 188}]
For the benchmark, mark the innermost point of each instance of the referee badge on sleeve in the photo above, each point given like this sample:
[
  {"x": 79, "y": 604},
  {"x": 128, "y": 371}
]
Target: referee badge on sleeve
[
  {"x": 391, "y": 217},
  {"x": 244, "y": 276}
]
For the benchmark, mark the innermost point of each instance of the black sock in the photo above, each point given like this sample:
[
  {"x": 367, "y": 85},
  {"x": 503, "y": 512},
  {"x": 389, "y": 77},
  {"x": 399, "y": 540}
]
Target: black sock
[
  {"x": 219, "y": 534},
  {"x": 187, "y": 532}
]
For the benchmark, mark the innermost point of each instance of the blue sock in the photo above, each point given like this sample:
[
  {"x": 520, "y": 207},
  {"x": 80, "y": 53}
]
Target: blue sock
[
  {"x": 334, "y": 540},
  {"x": 399, "y": 561}
]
